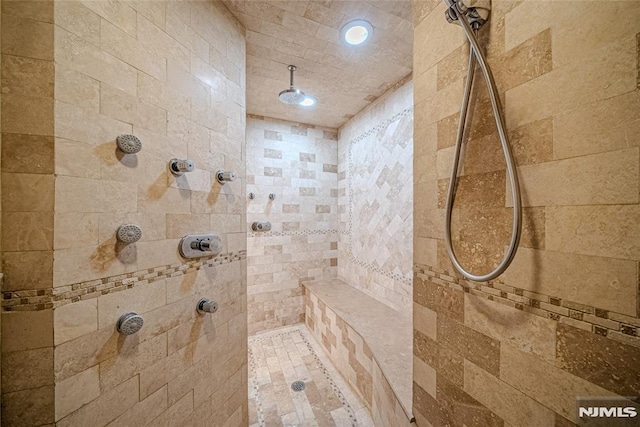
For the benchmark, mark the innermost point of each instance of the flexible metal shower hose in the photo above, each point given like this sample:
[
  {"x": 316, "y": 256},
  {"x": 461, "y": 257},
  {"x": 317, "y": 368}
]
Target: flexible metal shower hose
[{"x": 476, "y": 52}]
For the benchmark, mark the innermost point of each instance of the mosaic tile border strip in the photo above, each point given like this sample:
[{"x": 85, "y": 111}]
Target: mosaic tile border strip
[
  {"x": 44, "y": 299},
  {"x": 334, "y": 386},
  {"x": 407, "y": 279},
  {"x": 291, "y": 233},
  {"x": 395, "y": 276},
  {"x": 620, "y": 327}
]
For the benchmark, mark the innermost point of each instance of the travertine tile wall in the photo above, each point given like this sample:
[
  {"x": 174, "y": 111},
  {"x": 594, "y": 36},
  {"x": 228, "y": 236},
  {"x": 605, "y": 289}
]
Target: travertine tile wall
[
  {"x": 27, "y": 82},
  {"x": 563, "y": 320},
  {"x": 173, "y": 74},
  {"x": 298, "y": 164},
  {"x": 375, "y": 198}
]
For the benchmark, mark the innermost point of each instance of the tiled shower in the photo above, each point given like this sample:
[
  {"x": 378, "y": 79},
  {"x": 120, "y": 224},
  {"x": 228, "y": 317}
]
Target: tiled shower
[{"x": 354, "y": 191}]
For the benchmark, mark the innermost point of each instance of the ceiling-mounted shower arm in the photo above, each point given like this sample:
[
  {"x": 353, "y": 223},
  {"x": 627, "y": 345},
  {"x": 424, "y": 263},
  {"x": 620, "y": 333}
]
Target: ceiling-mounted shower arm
[
  {"x": 477, "y": 15},
  {"x": 292, "y": 68}
]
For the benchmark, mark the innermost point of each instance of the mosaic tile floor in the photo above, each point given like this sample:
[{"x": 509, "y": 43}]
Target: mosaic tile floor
[{"x": 279, "y": 358}]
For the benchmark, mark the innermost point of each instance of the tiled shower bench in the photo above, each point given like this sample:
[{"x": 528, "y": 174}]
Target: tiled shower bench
[{"x": 369, "y": 343}]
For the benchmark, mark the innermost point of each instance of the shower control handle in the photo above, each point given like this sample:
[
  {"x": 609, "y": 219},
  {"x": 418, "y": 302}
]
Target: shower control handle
[
  {"x": 225, "y": 176},
  {"x": 179, "y": 166},
  {"x": 205, "y": 305},
  {"x": 199, "y": 245},
  {"x": 204, "y": 245}
]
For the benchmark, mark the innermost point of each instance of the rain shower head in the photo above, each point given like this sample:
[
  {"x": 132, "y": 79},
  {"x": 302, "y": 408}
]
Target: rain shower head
[{"x": 291, "y": 96}]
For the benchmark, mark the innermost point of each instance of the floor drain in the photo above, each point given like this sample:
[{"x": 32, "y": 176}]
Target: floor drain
[{"x": 297, "y": 386}]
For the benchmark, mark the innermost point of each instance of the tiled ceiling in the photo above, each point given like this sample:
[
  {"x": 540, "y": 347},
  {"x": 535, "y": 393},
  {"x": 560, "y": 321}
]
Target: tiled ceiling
[{"x": 306, "y": 33}]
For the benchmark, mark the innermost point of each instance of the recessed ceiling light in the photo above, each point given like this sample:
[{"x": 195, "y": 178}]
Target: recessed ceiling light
[
  {"x": 356, "y": 32},
  {"x": 308, "y": 101}
]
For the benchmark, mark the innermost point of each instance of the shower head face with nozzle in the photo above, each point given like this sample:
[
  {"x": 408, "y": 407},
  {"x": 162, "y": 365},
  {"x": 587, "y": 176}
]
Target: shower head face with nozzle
[{"x": 291, "y": 96}]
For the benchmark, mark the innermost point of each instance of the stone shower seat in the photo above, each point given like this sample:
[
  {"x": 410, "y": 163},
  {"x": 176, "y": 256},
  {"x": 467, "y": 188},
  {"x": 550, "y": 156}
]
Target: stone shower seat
[{"x": 387, "y": 332}]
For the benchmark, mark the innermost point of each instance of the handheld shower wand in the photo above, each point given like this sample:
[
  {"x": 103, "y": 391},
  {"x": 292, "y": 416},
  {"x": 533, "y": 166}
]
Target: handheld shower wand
[{"x": 471, "y": 19}]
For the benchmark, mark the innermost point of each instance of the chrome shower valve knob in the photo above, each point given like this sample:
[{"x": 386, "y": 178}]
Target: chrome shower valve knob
[
  {"x": 225, "y": 176},
  {"x": 179, "y": 166},
  {"x": 205, "y": 305}
]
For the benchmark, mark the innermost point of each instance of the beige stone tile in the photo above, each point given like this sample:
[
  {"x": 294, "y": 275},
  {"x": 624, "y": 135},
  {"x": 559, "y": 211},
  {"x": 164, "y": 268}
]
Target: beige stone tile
[
  {"x": 36, "y": 10},
  {"x": 425, "y": 376},
  {"x": 83, "y": 57},
  {"x": 139, "y": 299},
  {"x": 163, "y": 96},
  {"x": 606, "y": 283},
  {"x": 551, "y": 386},
  {"x": 76, "y": 159},
  {"x": 434, "y": 39},
  {"x": 606, "y": 76},
  {"x": 162, "y": 44},
  {"x": 27, "y": 192},
  {"x": 424, "y": 320},
  {"x": 29, "y": 369},
  {"x": 606, "y": 231},
  {"x": 159, "y": 252},
  {"x": 163, "y": 199},
  {"x": 180, "y": 224},
  {"x": 144, "y": 411},
  {"x": 76, "y": 265},
  {"x": 27, "y": 76},
  {"x": 125, "y": 47},
  {"x": 76, "y": 88},
  {"x": 88, "y": 350},
  {"x": 603, "y": 25},
  {"x": 76, "y": 124},
  {"x": 27, "y": 231},
  {"x": 27, "y": 115},
  {"x": 117, "y": 12},
  {"x": 27, "y": 153},
  {"x": 74, "y": 320},
  {"x": 155, "y": 11},
  {"x": 88, "y": 195},
  {"x": 105, "y": 408},
  {"x": 503, "y": 399},
  {"x": 28, "y": 270},
  {"x": 26, "y": 37},
  {"x": 78, "y": 19},
  {"x": 609, "y": 364},
  {"x": 524, "y": 331},
  {"x": 425, "y": 251},
  {"x": 41, "y": 403},
  {"x": 607, "y": 178},
  {"x": 76, "y": 391},
  {"x": 27, "y": 330},
  {"x": 176, "y": 413},
  {"x": 197, "y": 180},
  {"x": 73, "y": 230},
  {"x": 130, "y": 363},
  {"x": 612, "y": 122}
]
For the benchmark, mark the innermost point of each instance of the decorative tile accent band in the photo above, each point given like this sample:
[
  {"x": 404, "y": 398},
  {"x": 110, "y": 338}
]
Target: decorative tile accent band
[
  {"x": 44, "y": 299},
  {"x": 395, "y": 276},
  {"x": 291, "y": 233},
  {"x": 380, "y": 126},
  {"x": 617, "y": 326}
]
